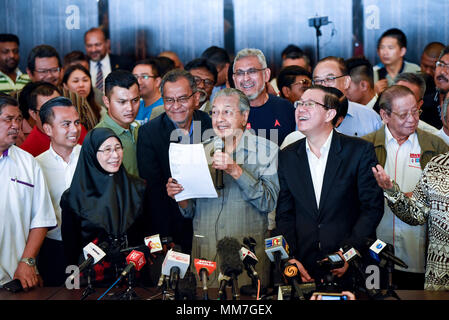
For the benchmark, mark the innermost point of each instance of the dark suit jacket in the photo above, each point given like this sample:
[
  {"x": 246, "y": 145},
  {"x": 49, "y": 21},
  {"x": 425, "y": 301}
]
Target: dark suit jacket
[
  {"x": 120, "y": 62},
  {"x": 351, "y": 203},
  {"x": 161, "y": 212}
]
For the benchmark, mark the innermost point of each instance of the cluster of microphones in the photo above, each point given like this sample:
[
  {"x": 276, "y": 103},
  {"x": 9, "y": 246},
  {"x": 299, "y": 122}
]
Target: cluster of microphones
[{"x": 178, "y": 282}]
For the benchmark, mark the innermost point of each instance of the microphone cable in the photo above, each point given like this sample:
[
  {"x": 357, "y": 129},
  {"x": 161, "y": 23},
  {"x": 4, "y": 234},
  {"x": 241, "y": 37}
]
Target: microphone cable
[{"x": 119, "y": 278}]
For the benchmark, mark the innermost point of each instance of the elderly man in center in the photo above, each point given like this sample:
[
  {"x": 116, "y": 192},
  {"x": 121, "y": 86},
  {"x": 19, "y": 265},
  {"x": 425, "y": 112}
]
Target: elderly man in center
[{"x": 250, "y": 180}]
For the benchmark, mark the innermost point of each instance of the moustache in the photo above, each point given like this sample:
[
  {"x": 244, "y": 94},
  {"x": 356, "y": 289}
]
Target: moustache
[
  {"x": 441, "y": 77},
  {"x": 203, "y": 95}
]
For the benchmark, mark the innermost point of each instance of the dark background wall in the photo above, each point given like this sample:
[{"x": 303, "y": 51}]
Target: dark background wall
[
  {"x": 140, "y": 28},
  {"x": 46, "y": 21}
]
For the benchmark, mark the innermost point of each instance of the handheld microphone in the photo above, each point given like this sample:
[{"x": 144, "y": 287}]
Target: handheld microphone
[
  {"x": 175, "y": 266},
  {"x": 353, "y": 258},
  {"x": 380, "y": 250},
  {"x": 204, "y": 268},
  {"x": 218, "y": 145},
  {"x": 231, "y": 265},
  {"x": 276, "y": 249},
  {"x": 93, "y": 254},
  {"x": 291, "y": 272},
  {"x": 154, "y": 243},
  {"x": 249, "y": 260},
  {"x": 135, "y": 260}
]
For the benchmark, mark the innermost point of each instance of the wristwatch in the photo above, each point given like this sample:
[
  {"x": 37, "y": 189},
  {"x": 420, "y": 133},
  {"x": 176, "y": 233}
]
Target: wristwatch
[{"x": 29, "y": 261}]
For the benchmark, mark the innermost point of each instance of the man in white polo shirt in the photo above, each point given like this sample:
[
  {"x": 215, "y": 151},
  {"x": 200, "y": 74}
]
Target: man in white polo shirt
[
  {"x": 61, "y": 122},
  {"x": 26, "y": 210},
  {"x": 404, "y": 150}
]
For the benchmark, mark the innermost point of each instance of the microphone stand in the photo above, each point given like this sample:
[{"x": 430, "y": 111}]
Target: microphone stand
[
  {"x": 89, "y": 289},
  {"x": 166, "y": 295},
  {"x": 390, "y": 290},
  {"x": 129, "y": 293},
  {"x": 222, "y": 295},
  {"x": 234, "y": 286},
  {"x": 204, "y": 280}
]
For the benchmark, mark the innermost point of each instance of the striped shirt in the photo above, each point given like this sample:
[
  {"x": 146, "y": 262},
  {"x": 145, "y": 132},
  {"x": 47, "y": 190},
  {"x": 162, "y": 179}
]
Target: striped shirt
[{"x": 7, "y": 85}]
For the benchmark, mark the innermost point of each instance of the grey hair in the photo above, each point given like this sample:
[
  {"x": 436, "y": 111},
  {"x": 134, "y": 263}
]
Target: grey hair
[
  {"x": 251, "y": 52},
  {"x": 174, "y": 75},
  {"x": 391, "y": 94},
  {"x": 243, "y": 99},
  {"x": 413, "y": 78}
]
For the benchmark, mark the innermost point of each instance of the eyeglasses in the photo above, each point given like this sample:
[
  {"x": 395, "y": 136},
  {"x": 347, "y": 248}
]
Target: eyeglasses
[
  {"x": 144, "y": 76},
  {"x": 441, "y": 64},
  {"x": 304, "y": 83},
  {"x": 207, "y": 82},
  {"x": 108, "y": 151},
  {"x": 169, "y": 102},
  {"x": 225, "y": 113},
  {"x": 48, "y": 71},
  {"x": 309, "y": 104},
  {"x": 326, "y": 81},
  {"x": 250, "y": 72},
  {"x": 414, "y": 113}
]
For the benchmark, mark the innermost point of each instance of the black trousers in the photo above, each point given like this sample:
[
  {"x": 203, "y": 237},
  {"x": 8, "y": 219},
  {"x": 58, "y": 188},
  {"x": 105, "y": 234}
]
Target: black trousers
[{"x": 51, "y": 263}]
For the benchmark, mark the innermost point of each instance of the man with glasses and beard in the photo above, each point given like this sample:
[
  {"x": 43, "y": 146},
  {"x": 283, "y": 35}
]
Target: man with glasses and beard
[
  {"x": 270, "y": 116},
  {"x": 434, "y": 100},
  {"x": 205, "y": 75}
]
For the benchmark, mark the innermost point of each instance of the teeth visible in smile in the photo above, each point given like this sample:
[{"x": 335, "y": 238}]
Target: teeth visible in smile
[{"x": 303, "y": 118}]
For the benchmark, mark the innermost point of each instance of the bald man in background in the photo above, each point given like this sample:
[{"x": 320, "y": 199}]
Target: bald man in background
[
  {"x": 173, "y": 56},
  {"x": 429, "y": 57}
]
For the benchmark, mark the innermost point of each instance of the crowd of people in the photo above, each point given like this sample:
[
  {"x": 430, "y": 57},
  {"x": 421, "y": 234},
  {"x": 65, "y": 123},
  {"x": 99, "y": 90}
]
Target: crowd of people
[{"x": 327, "y": 155}]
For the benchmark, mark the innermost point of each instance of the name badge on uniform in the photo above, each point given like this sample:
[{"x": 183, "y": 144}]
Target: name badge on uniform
[{"x": 414, "y": 160}]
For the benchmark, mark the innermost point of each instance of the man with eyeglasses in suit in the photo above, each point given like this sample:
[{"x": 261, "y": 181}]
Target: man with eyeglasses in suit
[
  {"x": 404, "y": 150},
  {"x": 328, "y": 195},
  {"x": 180, "y": 123}
]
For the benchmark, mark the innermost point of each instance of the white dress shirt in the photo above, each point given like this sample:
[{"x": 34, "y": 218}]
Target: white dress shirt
[
  {"x": 25, "y": 204},
  {"x": 443, "y": 136},
  {"x": 402, "y": 165},
  {"x": 372, "y": 102},
  {"x": 58, "y": 175},
  {"x": 318, "y": 166}
]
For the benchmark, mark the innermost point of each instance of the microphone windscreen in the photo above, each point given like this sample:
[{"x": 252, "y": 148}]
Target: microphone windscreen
[
  {"x": 218, "y": 145},
  {"x": 228, "y": 250}
]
